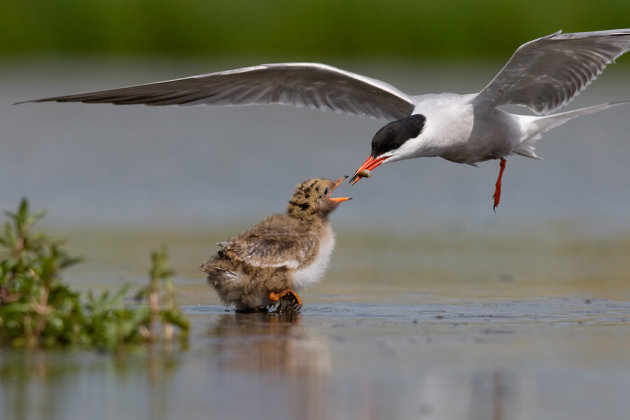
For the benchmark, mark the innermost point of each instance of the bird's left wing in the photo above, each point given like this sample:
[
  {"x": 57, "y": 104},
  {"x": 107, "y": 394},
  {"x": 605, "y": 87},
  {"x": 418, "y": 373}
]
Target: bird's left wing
[
  {"x": 546, "y": 73},
  {"x": 275, "y": 247},
  {"x": 310, "y": 85}
]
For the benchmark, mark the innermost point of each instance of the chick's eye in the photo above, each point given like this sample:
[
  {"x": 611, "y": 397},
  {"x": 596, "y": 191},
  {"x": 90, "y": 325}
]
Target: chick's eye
[{"x": 326, "y": 191}]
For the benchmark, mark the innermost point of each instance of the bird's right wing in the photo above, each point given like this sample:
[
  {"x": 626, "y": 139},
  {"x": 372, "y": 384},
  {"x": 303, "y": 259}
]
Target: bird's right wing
[
  {"x": 310, "y": 85},
  {"x": 266, "y": 248},
  {"x": 546, "y": 73}
]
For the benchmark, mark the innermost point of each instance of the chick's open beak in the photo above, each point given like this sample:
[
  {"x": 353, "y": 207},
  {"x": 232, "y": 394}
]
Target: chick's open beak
[
  {"x": 334, "y": 187},
  {"x": 365, "y": 169}
]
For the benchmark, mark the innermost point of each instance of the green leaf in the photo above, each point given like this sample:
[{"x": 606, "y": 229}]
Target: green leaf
[
  {"x": 176, "y": 319},
  {"x": 31, "y": 269}
]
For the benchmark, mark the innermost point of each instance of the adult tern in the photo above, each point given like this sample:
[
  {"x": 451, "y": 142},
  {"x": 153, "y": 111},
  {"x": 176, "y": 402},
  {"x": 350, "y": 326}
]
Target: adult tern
[{"x": 543, "y": 75}]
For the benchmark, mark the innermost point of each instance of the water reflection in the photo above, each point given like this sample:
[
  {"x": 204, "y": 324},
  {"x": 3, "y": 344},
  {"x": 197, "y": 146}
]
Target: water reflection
[
  {"x": 272, "y": 360},
  {"x": 16, "y": 375},
  {"x": 63, "y": 384},
  {"x": 476, "y": 395},
  {"x": 269, "y": 342},
  {"x": 284, "y": 362},
  {"x": 490, "y": 359}
]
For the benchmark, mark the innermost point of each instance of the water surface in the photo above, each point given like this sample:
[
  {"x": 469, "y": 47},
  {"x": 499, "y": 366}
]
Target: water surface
[{"x": 434, "y": 307}]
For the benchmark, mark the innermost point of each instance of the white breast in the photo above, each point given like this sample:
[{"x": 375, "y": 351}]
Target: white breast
[{"x": 314, "y": 271}]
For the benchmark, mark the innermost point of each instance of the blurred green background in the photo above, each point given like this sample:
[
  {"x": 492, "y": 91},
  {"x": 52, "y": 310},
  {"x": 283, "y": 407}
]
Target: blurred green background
[{"x": 289, "y": 29}]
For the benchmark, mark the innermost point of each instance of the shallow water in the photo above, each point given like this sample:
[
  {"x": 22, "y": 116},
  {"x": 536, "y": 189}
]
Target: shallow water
[
  {"x": 547, "y": 358},
  {"x": 434, "y": 307},
  {"x": 509, "y": 328}
]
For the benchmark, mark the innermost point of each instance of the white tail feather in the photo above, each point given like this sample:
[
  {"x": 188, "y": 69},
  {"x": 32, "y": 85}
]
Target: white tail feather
[{"x": 532, "y": 127}]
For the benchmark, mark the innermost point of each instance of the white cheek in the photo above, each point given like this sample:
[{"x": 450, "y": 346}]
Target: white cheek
[{"x": 407, "y": 150}]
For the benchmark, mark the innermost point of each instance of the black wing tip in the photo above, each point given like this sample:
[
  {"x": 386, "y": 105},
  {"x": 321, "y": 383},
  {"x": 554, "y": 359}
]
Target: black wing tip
[
  {"x": 28, "y": 101},
  {"x": 55, "y": 99},
  {"x": 64, "y": 99}
]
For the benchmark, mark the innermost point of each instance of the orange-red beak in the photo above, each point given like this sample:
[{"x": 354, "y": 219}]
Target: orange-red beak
[
  {"x": 338, "y": 199},
  {"x": 369, "y": 164}
]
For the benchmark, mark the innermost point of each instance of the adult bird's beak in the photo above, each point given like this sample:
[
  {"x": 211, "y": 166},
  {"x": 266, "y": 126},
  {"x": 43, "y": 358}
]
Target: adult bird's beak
[
  {"x": 367, "y": 167},
  {"x": 334, "y": 187}
]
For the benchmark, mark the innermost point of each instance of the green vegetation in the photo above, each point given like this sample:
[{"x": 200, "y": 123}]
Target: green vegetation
[
  {"x": 289, "y": 29},
  {"x": 38, "y": 310}
]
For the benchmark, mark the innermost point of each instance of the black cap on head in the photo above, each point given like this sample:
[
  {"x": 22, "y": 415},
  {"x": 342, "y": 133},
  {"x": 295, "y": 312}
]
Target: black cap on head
[{"x": 394, "y": 134}]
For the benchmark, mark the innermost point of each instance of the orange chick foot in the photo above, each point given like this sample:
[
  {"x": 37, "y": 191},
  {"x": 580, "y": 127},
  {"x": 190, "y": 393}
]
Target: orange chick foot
[{"x": 275, "y": 297}]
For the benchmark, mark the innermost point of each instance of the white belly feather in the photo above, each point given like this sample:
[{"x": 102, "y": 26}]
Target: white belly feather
[{"x": 314, "y": 271}]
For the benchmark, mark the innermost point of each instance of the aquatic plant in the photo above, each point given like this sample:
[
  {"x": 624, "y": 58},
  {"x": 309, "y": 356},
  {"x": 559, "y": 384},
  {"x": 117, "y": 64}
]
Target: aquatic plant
[{"x": 38, "y": 310}]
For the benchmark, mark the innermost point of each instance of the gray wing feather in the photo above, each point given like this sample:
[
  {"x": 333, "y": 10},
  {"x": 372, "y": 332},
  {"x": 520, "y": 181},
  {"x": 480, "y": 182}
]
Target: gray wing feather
[
  {"x": 301, "y": 84},
  {"x": 277, "y": 248},
  {"x": 546, "y": 73}
]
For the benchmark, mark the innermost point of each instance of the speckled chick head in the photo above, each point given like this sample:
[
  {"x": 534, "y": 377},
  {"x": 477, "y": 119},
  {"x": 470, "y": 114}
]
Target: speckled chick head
[{"x": 313, "y": 198}]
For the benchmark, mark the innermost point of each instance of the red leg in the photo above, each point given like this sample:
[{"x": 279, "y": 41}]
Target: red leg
[{"x": 497, "y": 186}]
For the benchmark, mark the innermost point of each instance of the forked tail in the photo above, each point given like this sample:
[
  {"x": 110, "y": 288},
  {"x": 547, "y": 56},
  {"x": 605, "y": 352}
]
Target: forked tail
[{"x": 533, "y": 126}]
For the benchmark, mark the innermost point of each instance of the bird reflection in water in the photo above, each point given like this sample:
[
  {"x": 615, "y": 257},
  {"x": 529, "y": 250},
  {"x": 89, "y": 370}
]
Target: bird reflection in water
[
  {"x": 270, "y": 342},
  {"x": 272, "y": 359}
]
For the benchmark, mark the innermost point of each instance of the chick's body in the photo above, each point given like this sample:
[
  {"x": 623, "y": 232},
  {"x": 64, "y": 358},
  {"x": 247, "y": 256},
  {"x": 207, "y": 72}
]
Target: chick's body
[{"x": 281, "y": 253}]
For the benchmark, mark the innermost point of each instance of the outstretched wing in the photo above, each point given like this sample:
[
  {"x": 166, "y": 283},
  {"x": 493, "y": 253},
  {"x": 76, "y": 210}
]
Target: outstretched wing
[
  {"x": 546, "y": 73},
  {"x": 310, "y": 85},
  {"x": 275, "y": 247}
]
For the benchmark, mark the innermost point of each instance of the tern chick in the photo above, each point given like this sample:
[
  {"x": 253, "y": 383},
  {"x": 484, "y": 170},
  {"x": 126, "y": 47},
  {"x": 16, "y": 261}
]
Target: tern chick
[{"x": 281, "y": 254}]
